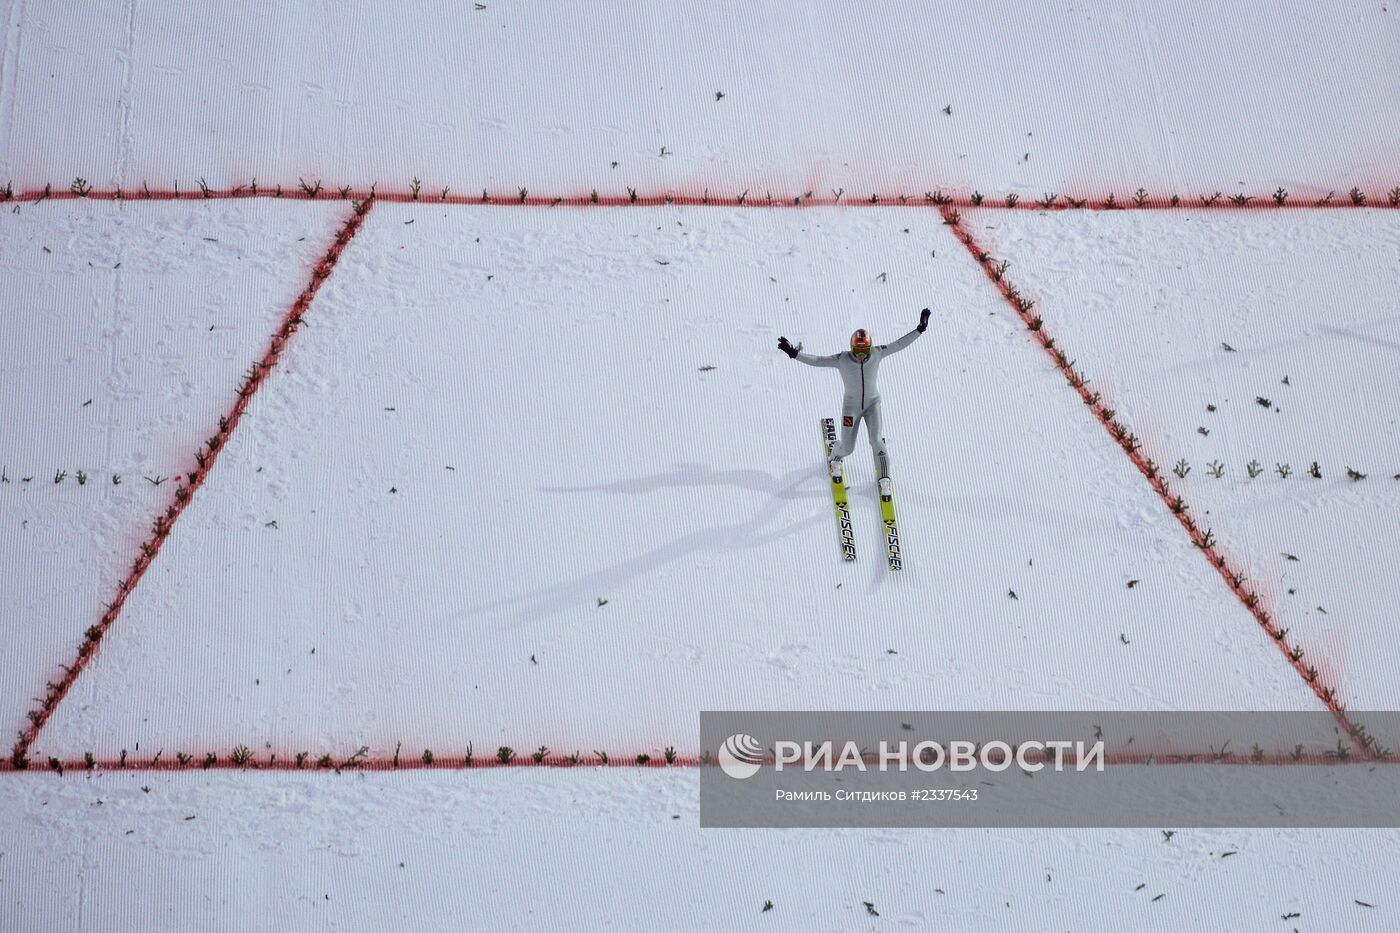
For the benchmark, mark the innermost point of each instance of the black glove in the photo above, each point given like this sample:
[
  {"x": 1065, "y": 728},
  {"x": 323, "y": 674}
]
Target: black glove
[
  {"x": 923, "y": 320},
  {"x": 786, "y": 347}
]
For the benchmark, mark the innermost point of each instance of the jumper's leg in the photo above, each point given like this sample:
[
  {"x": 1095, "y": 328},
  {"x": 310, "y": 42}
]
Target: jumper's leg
[
  {"x": 877, "y": 441},
  {"x": 850, "y": 428}
]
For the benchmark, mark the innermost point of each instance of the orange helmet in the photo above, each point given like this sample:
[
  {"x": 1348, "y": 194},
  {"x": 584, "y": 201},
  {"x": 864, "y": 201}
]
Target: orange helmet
[{"x": 860, "y": 342}]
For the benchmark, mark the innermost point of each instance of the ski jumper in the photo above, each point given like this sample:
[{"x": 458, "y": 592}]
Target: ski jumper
[{"x": 861, "y": 400}]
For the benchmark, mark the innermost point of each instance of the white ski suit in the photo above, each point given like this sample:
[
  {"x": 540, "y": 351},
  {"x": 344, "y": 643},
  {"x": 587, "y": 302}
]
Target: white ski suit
[{"x": 861, "y": 401}]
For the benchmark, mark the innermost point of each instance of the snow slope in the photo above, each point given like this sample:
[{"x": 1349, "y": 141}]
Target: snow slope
[
  {"x": 617, "y": 849},
  {"x": 495, "y": 419},
  {"x": 128, "y": 331},
  {"x": 1252, "y": 338},
  {"x": 555, "y": 364},
  {"x": 1044, "y": 97}
]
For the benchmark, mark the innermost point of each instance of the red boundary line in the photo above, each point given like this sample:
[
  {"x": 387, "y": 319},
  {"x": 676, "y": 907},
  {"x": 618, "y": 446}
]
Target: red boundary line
[
  {"x": 1204, "y": 540},
  {"x": 331, "y": 764},
  {"x": 936, "y": 197},
  {"x": 186, "y": 486}
]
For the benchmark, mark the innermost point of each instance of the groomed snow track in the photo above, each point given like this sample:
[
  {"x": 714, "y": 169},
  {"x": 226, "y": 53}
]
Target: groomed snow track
[{"x": 359, "y": 202}]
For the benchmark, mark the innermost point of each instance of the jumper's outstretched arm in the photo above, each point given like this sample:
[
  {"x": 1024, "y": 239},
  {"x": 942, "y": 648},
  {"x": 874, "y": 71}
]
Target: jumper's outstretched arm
[
  {"x": 813, "y": 360},
  {"x": 795, "y": 351},
  {"x": 910, "y": 337},
  {"x": 902, "y": 342}
]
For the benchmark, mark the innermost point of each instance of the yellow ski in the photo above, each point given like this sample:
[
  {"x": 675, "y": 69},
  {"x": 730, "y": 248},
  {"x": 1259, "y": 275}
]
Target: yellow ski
[
  {"x": 892, "y": 555},
  {"x": 838, "y": 494}
]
